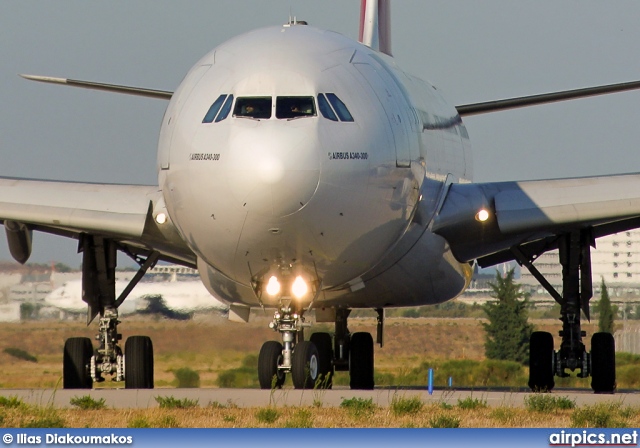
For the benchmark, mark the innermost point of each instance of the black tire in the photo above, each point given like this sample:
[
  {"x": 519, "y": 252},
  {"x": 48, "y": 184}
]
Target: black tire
[
  {"x": 76, "y": 364},
  {"x": 603, "y": 363},
  {"x": 323, "y": 343},
  {"x": 361, "y": 361},
  {"x": 541, "y": 374},
  {"x": 304, "y": 365},
  {"x": 138, "y": 363},
  {"x": 269, "y": 376}
]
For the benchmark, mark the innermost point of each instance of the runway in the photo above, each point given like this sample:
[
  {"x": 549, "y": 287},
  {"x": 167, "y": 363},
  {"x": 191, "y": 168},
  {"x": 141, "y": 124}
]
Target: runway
[{"x": 145, "y": 398}]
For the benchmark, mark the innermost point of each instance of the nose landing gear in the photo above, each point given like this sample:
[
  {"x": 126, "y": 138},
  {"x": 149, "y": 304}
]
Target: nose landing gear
[{"x": 312, "y": 363}]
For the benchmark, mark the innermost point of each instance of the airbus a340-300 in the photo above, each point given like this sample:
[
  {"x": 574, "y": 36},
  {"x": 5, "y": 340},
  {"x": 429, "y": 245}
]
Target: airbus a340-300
[{"x": 334, "y": 180}]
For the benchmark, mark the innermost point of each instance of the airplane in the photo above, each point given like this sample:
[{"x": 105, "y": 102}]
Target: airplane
[
  {"x": 301, "y": 170},
  {"x": 179, "y": 298}
]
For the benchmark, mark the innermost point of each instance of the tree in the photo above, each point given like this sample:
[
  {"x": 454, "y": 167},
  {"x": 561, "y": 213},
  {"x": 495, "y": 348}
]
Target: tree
[
  {"x": 508, "y": 331},
  {"x": 605, "y": 310}
]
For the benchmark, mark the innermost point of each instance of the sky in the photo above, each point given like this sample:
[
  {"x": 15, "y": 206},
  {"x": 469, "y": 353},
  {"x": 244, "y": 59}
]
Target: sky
[{"x": 472, "y": 51}]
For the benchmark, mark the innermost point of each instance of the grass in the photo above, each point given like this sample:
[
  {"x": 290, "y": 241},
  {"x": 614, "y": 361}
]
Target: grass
[
  {"x": 431, "y": 415},
  {"x": 359, "y": 407},
  {"x": 602, "y": 415},
  {"x": 471, "y": 403},
  {"x": 406, "y": 406},
  {"x": 187, "y": 378},
  {"x": 86, "y": 402},
  {"x": 11, "y": 402},
  {"x": 444, "y": 421},
  {"x": 547, "y": 403},
  {"x": 267, "y": 415},
  {"x": 175, "y": 403}
]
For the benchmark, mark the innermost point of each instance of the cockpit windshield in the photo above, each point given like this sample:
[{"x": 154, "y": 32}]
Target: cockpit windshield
[
  {"x": 253, "y": 107},
  {"x": 295, "y": 107}
]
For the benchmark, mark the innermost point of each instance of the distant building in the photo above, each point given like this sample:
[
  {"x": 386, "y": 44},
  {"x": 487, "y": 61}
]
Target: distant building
[{"x": 616, "y": 259}]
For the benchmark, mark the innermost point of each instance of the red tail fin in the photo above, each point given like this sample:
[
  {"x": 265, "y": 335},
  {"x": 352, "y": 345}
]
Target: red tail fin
[{"x": 375, "y": 25}]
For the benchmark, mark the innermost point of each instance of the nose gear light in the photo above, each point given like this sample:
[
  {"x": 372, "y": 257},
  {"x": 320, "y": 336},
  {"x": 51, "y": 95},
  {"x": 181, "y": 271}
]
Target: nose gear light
[
  {"x": 273, "y": 286},
  {"x": 299, "y": 287}
]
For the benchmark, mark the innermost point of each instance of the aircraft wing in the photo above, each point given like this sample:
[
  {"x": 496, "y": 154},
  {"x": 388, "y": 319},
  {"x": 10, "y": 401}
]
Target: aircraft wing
[
  {"x": 123, "y": 213},
  {"x": 527, "y": 217}
]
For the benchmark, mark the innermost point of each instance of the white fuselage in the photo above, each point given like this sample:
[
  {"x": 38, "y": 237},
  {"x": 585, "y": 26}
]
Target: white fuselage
[{"x": 345, "y": 204}]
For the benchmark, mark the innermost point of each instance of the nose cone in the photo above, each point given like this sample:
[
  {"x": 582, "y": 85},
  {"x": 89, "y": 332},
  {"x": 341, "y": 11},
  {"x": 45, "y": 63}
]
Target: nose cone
[{"x": 274, "y": 167}]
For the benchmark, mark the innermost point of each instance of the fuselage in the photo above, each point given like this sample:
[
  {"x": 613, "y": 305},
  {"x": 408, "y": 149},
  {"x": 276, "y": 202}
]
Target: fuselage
[{"x": 295, "y": 152}]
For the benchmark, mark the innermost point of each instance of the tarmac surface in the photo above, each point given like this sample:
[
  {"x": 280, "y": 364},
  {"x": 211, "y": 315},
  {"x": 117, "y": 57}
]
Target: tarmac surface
[{"x": 146, "y": 398}]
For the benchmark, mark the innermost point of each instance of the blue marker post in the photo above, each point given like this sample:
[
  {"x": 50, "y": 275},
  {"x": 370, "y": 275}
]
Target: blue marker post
[
  {"x": 450, "y": 382},
  {"x": 430, "y": 387}
]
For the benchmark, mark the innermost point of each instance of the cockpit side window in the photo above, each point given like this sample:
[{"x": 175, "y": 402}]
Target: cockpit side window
[
  {"x": 295, "y": 107},
  {"x": 213, "y": 110},
  {"x": 253, "y": 107},
  {"x": 339, "y": 107},
  {"x": 325, "y": 109},
  {"x": 226, "y": 108}
]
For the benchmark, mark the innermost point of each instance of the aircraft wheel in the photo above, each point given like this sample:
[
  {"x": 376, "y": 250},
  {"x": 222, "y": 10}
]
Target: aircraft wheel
[
  {"x": 270, "y": 357},
  {"x": 138, "y": 363},
  {"x": 361, "y": 361},
  {"x": 603, "y": 363},
  {"x": 541, "y": 362},
  {"x": 305, "y": 365},
  {"x": 323, "y": 343},
  {"x": 76, "y": 363}
]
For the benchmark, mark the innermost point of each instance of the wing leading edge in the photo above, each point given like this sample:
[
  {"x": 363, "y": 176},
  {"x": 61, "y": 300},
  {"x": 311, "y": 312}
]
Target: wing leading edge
[
  {"x": 534, "y": 213},
  {"x": 123, "y": 213}
]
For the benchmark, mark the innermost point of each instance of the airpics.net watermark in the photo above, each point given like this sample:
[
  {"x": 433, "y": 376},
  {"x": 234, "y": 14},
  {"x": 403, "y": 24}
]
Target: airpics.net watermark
[
  {"x": 587, "y": 438},
  {"x": 66, "y": 439}
]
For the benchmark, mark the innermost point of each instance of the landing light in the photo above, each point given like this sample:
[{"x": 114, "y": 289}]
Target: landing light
[
  {"x": 161, "y": 218},
  {"x": 299, "y": 287},
  {"x": 482, "y": 215},
  {"x": 273, "y": 286}
]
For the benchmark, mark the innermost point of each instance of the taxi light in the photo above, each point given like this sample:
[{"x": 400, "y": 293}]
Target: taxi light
[
  {"x": 273, "y": 286},
  {"x": 299, "y": 287},
  {"x": 161, "y": 218},
  {"x": 482, "y": 215}
]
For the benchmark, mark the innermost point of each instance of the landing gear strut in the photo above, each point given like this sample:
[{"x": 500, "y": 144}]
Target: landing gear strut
[
  {"x": 312, "y": 363},
  {"x": 82, "y": 364},
  {"x": 545, "y": 363}
]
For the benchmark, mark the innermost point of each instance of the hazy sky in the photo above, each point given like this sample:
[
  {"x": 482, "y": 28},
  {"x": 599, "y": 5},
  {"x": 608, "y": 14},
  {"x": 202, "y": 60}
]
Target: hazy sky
[{"x": 472, "y": 51}]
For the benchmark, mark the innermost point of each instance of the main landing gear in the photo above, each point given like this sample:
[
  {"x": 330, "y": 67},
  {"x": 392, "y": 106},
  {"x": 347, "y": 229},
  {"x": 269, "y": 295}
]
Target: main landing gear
[
  {"x": 545, "y": 362},
  {"x": 82, "y": 365},
  {"x": 312, "y": 363}
]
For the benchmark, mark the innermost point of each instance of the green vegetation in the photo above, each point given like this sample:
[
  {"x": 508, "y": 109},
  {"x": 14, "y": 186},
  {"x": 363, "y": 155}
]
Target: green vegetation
[
  {"x": 606, "y": 312},
  {"x": 166, "y": 421},
  {"x": 302, "y": 418},
  {"x": 508, "y": 331},
  {"x": 20, "y": 354},
  {"x": 42, "y": 418},
  {"x": 86, "y": 402},
  {"x": 471, "y": 403},
  {"x": 187, "y": 378},
  {"x": 465, "y": 372},
  {"x": 406, "y": 406},
  {"x": 547, "y": 403},
  {"x": 242, "y": 377},
  {"x": 139, "y": 422},
  {"x": 359, "y": 407},
  {"x": 602, "y": 415},
  {"x": 175, "y": 403},
  {"x": 11, "y": 402},
  {"x": 267, "y": 415},
  {"x": 451, "y": 309},
  {"x": 444, "y": 421}
]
